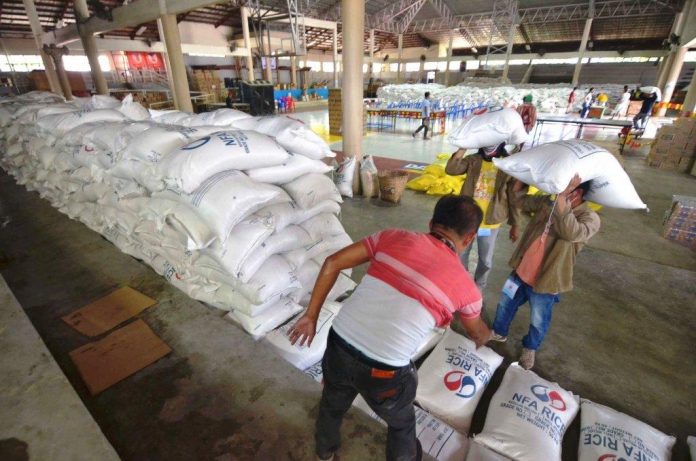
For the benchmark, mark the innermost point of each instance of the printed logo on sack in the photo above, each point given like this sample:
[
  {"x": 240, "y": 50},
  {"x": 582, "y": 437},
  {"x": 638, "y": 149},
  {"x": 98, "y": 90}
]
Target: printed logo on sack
[
  {"x": 553, "y": 398},
  {"x": 461, "y": 384},
  {"x": 197, "y": 144},
  {"x": 611, "y": 457}
]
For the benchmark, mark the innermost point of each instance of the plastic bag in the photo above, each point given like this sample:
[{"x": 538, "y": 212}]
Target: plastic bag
[{"x": 368, "y": 177}]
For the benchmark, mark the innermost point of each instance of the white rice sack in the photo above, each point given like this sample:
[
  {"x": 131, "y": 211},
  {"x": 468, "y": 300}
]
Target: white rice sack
[
  {"x": 61, "y": 123},
  {"x": 220, "y": 117},
  {"x": 285, "y": 214},
  {"x": 550, "y": 167},
  {"x": 296, "y": 258},
  {"x": 290, "y": 133},
  {"x": 438, "y": 440},
  {"x": 453, "y": 377},
  {"x": 227, "y": 198},
  {"x": 99, "y": 101},
  {"x": 287, "y": 239},
  {"x": 187, "y": 168},
  {"x": 527, "y": 417},
  {"x": 180, "y": 216},
  {"x": 294, "y": 167},
  {"x": 243, "y": 241},
  {"x": 5, "y": 117},
  {"x": 604, "y": 431},
  {"x": 478, "y": 452},
  {"x": 153, "y": 144},
  {"x": 309, "y": 190},
  {"x": 429, "y": 342},
  {"x": 344, "y": 176},
  {"x": 261, "y": 324},
  {"x": 489, "y": 129},
  {"x": 54, "y": 109},
  {"x": 307, "y": 275},
  {"x": 652, "y": 89},
  {"x": 691, "y": 440},
  {"x": 132, "y": 109},
  {"x": 169, "y": 117},
  {"x": 275, "y": 277},
  {"x": 322, "y": 225},
  {"x": 303, "y": 357},
  {"x": 315, "y": 372}
]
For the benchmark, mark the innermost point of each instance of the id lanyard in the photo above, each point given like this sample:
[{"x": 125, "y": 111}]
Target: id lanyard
[{"x": 445, "y": 240}]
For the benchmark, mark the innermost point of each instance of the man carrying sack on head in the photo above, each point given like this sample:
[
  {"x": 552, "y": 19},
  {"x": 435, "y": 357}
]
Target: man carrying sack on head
[
  {"x": 414, "y": 283},
  {"x": 543, "y": 262},
  {"x": 493, "y": 191}
]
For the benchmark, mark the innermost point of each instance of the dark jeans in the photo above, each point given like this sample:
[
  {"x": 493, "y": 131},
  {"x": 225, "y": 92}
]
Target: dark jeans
[
  {"x": 425, "y": 124},
  {"x": 389, "y": 391},
  {"x": 585, "y": 110}
]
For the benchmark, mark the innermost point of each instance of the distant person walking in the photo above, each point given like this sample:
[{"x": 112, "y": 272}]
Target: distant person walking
[
  {"x": 587, "y": 103},
  {"x": 622, "y": 106},
  {"x": 571, "y": 99},
  {"x": 425, "y": 120}
]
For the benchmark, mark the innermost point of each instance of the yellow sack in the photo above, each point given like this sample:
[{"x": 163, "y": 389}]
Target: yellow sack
[
  {"x": 435, "y": 170},
  {"x": 440, "y": 188},
  {"x": 421, "y": 183}
]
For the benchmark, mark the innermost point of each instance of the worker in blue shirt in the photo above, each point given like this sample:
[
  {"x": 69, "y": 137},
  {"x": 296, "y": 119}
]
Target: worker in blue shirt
[{"x": 640, "y": 121}]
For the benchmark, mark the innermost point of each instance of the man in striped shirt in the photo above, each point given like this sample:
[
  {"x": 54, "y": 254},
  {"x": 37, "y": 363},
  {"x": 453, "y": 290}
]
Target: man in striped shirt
[{"x": 414, "y": 283}]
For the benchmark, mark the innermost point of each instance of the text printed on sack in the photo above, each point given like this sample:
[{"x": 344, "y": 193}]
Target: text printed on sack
[{"x": 617, "y": 440}]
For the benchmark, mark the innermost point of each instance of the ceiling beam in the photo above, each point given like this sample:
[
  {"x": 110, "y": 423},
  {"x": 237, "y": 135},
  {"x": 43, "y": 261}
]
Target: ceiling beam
[{"x": 129, "y": 15}]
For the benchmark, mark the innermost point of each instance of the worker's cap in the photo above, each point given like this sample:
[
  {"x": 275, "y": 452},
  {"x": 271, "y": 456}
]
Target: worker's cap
[{"x": 527, "y": 98}]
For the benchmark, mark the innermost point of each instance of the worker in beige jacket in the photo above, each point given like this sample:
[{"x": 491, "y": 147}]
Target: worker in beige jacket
[{"x": 543, "y": 261}]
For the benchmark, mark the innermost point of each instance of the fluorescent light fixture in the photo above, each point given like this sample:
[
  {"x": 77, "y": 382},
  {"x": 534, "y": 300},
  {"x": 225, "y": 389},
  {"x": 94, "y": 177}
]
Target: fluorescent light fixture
[{"x": 141, "y": 30}]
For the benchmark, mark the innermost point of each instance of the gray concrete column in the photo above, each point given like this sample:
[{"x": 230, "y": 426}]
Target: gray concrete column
[
  {"x": 177, "y": 69},
  {"x": 353, "y": 15},
  {"x": 293, "y": 71},
  {"x": 449, "y": 58},
  {"x": 37, "y": 32},
  {"x": 689, "y": 109},
  {"x": 372, "y": 52},
  {"x": 247, "y": 44},
  {"x": 268, "y": 71},
  {"x": 89, "y": 43},
  {"x": 508, "y": 52},
  {"x": 57, "y": 53},
  {"x": 581, "y": 51},
  {"x": 666, "y": 65},
  {"x": 398, "y": 66},
  {"x": 676, "y": 65},
  {"x": 335, "y": 56}
]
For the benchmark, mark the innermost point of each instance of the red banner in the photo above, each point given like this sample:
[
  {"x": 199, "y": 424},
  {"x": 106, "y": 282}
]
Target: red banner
[{"x": 140, "y": 61}]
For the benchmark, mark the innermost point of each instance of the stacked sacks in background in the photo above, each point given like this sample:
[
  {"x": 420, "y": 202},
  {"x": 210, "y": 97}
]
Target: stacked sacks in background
[{"x": 227, "y": 215}]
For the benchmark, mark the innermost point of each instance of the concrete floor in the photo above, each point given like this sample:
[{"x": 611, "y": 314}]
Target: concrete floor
[{"x": 625, "y": 337}]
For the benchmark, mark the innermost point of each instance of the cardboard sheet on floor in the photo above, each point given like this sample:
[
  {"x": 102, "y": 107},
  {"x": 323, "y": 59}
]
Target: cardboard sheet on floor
[
  {"x": 108, "y": 312},
  {"x": 122, "y": 353}
]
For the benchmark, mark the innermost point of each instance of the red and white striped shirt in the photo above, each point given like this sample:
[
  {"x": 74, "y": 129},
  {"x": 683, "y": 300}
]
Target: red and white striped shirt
[{"x": 423, "y": 268}]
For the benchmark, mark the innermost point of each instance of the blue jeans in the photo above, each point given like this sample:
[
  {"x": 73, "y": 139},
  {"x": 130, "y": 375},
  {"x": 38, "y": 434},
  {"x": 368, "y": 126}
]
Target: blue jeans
[
  {"x": 585, "y": 110},
  {"x": 540, "y": 304}
]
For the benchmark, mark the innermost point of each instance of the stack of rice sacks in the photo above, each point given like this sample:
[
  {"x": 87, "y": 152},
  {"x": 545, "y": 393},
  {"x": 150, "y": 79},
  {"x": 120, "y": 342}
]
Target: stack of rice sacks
[{"x": 234, "y": 210}]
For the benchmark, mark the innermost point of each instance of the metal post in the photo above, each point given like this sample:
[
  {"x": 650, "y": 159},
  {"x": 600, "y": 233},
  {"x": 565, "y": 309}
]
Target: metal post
[
  {"x": 247, "y": 44},
  {"x": 38, "y": 31},
  {"x": 57, "y": 54},
  {"x": 398, "y": 66},
  {"x": 167, "y": 67},
  {"x": 172, "y": 43},
  {"x": 353, "y": 15},
  {"x": 89, "y": 43},
  {"x": 581, "y": 51},
  {"x": 335, "y": 56},
  {"x": 449, "y": 58}
]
